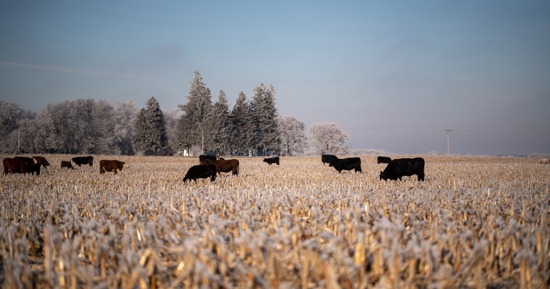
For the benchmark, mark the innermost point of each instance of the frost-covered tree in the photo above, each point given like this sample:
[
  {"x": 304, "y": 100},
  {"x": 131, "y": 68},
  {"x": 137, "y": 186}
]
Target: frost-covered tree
[
  {"x": 219, "y": 124},
  {"x": 8, "y": 118},
  {"x": 171, "y": 120},
  {"x": 124, "y": 116},
  {"x": 328, "y": 138},
  {"x": 192, "y": 126},
  {"x": 149, "y": 129},
  {"x": 102, "y": 140},
  {"x": 14, "y": 122},
  {"x": 76, "y": 126},
  {"x": 242, "y": 134},
  {"x": 266, "y": 140},
  {"x": 292, "y": 135}
]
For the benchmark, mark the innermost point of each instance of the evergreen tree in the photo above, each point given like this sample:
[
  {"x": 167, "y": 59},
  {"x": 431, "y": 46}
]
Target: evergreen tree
[
  {"x": 150, "y": 129},
  {"x": 219, "y": 124},
  {"x": 266, "y": 140},
  {"x": 193, "y": 127},
  {"x": 242, "y": 133}
]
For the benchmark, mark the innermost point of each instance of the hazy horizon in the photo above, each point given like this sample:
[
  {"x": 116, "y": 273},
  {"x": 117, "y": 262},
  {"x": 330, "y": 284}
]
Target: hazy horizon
[{"x": 393, "y": 75}]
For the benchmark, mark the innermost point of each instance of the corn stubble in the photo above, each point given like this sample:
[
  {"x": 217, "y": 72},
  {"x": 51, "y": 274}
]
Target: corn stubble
[{"x": 474, "y": 223}]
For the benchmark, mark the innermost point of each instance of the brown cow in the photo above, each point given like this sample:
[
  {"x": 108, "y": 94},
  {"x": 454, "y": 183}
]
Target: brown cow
[
  {"x": 66, "y": 164},
  {"x": 226, "y": 166},
  {"x": 41, "y": 160},
  {"x": 110, "y": 165},
  {"x": 20, "y": 165}
]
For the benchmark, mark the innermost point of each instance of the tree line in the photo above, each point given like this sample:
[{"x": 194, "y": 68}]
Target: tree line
[{"x": 88, "y": 126}]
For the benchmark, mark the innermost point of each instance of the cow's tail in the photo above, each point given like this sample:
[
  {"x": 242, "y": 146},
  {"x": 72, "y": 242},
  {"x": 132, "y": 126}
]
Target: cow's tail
[{"x": 236, "y": 170}]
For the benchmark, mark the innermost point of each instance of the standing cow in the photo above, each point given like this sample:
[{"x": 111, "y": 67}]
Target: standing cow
[
  {"x": 403, "y": 167},
  {"x": 225, "y": 166},
  {"x": 273, "y": 160},
  {"x": 88, "y": 160},
  {"x": 201, "y": 172},
  {"x": 110, "y": 165},
  {"x": 346, "y": 164}
]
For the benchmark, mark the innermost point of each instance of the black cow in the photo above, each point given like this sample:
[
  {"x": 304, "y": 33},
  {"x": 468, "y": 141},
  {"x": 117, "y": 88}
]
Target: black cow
[
  {"x": 403, "y": 167},
  {"x": 207, "y": 159},
  {"x": 66, "y": 164},
  {"x": 110, "y": 165},
  {"x": 326, "y": 159},
  {"x": 201, "y": 172},
  {"x": 383, "y": 160},
  {"x": 21, "y": 165},
  {"x": 346, "y": 164},
  {"x": 273, "y": 160},
  {"x": 89, "y": 160}
]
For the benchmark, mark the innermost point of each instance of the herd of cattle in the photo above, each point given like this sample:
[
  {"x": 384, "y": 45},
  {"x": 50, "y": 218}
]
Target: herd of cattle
[
  {"x": 211, "y": 166},
  {"x": 24, "y": 165}
]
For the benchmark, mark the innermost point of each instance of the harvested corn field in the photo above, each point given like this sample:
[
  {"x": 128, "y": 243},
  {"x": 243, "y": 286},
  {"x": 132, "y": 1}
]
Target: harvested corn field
[{"x": 475, "y": 222}]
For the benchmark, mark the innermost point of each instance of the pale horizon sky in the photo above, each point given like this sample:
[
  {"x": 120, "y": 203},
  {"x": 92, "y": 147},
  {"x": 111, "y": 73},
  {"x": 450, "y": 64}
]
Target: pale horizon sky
[{"x": 392, "y": 74}]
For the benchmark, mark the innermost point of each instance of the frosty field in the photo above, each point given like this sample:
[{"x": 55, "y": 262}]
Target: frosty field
[{"x": 476, "y": 222}]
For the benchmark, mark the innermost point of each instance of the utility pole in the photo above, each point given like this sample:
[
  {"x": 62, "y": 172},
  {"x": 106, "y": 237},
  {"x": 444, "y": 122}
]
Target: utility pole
[{"x": 448, "y": 131}]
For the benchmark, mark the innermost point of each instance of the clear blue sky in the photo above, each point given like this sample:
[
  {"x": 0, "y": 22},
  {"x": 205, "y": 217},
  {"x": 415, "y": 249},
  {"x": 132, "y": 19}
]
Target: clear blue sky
[{"x": 392, "y": 74}]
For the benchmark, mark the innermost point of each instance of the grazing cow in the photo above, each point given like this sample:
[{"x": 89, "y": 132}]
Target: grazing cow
[
  {"x": 110, "y": 165},
  {"x": 20, "y": 165},
  {"x": 544, "y": 161},
  {"x": 273, "y": 160},
  {"x": 226, "y": 166},
  {"x": 326, "y": 159},
  {"x": 67, "y": 164},
  {"x": 201, "y": 172},
  {"x": 346, "y": 164},
  {"x": 404, "y": 167},
  {"x": 41, "y": 160},
  {"x": 84, "y": 160},
  {"x": 383, "y": 160}
]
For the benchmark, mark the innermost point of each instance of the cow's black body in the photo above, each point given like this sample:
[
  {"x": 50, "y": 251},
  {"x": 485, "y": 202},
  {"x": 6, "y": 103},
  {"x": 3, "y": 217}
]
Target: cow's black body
[
  {"x": 201, "y": 172},
  {"x": 273, "y": 160},
  {"x": 88, "y": 160},
  {"x": 399, "y": 168},
  {"x": 346, "y": 164}
]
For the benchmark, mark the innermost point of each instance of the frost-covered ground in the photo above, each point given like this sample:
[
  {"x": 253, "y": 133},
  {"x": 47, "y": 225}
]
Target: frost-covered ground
[{"x": 476, "y": 222}]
